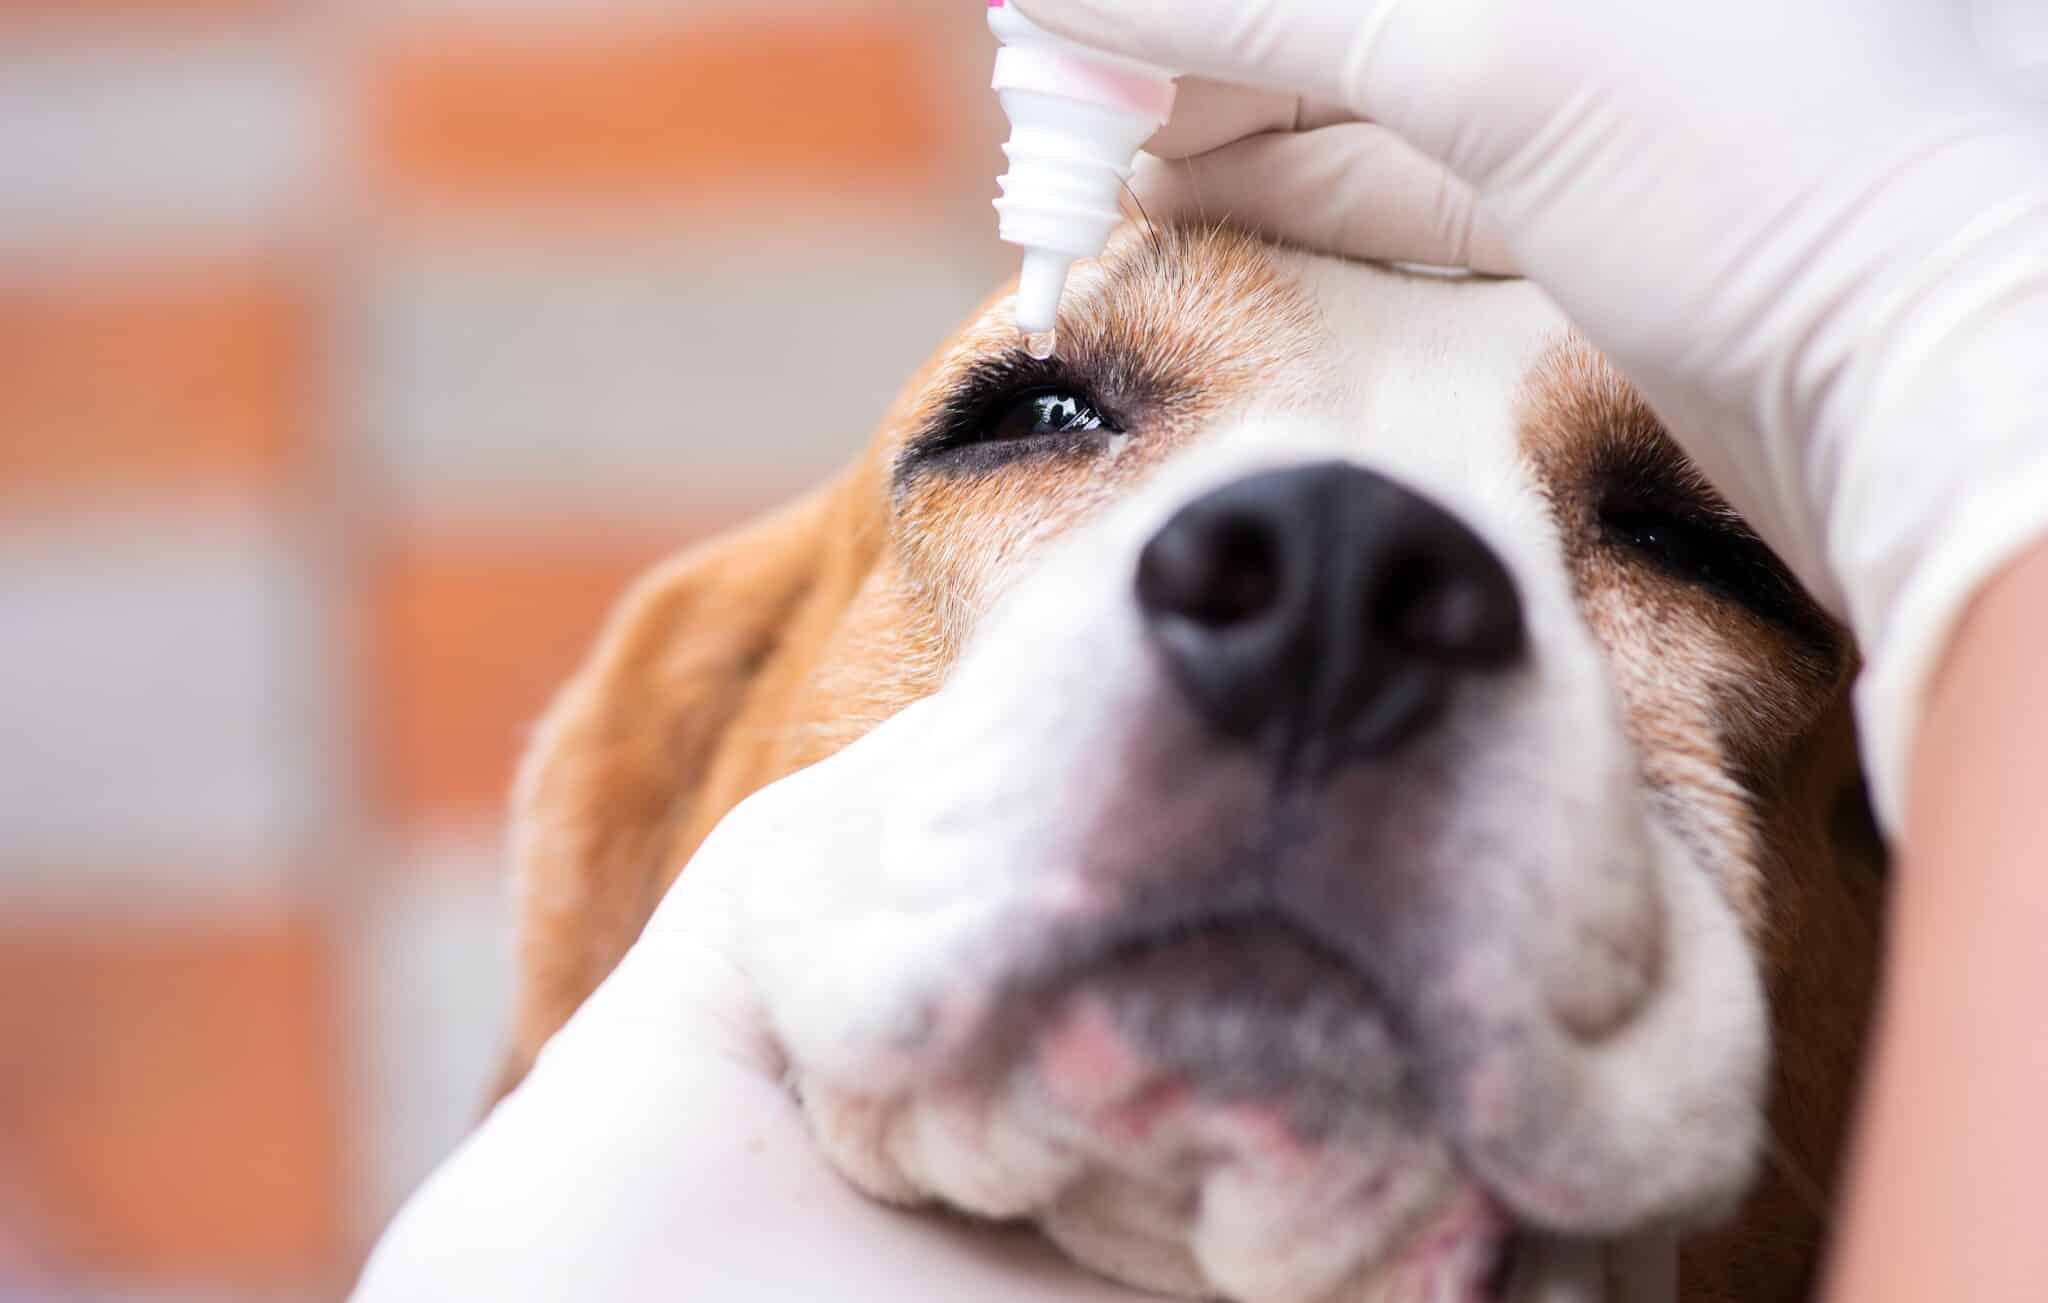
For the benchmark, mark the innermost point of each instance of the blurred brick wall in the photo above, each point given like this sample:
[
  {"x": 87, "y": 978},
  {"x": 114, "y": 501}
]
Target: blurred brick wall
[{"x": 352, "y": 358}]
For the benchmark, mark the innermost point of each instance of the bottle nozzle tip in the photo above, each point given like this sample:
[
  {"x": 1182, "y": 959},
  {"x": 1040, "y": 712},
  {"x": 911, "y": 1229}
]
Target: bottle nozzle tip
[{"x": 1039, "y": 287}]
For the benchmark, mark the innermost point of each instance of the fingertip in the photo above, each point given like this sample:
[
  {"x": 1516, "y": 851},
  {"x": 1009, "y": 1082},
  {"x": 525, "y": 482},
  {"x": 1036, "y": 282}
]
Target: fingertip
[
  {"x": 1489, "y": 251},
  {"x": 1208, "y": 114}
]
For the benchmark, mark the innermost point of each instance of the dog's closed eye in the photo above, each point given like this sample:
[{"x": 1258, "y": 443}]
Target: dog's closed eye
[
  {"x": 1709, "y": 550},
  {"x": 1650, "y": 507}
]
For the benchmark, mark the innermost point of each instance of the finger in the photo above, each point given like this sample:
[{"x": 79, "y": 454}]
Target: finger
[
  {"x": 844, "y": 780},
  {"x": 779, "y": 840},
  {"x": 1300, "y": 48},
  {"x": 1208, "y": 113},
  {"x": 1354, "y": 189},
  {"x": 1318, "y": 113}
]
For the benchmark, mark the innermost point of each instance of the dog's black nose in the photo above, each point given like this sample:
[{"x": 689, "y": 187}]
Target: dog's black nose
[{"x": 1324, "y": 610}]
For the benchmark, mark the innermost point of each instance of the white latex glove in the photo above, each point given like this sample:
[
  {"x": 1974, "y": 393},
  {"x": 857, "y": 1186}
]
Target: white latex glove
[
  {"x": 1312, "y": 174},
  {"x": 1813, "y": 232},
  {"x": 654, "y": 1152}
]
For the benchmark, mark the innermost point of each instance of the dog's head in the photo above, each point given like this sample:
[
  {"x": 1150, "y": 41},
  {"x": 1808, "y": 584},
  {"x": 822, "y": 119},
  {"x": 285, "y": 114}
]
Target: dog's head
[{"x": 1378, "y": 786}]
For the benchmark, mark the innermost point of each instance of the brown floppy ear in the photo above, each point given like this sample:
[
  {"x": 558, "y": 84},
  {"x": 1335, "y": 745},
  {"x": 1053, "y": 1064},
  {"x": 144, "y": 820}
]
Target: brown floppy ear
[
  {"x": 700, "y": 650},
  {"x": 1825, "y": 887}
]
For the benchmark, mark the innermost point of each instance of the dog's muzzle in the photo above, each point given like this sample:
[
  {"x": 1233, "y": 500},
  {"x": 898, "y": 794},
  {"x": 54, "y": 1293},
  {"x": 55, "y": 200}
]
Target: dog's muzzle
[{"x": 1323, "y": 613}]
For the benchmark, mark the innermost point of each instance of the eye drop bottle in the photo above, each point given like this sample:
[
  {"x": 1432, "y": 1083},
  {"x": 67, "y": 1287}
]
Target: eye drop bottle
[{"x": 1078, "y": 118}]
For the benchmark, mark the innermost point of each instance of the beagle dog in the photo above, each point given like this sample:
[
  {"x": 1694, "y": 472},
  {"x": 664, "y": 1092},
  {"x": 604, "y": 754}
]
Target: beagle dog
[{"x": 1391, "y": 810}]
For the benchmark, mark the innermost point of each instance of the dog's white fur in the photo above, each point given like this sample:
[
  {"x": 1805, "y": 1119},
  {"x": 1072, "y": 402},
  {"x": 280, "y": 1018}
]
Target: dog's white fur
[{"x": 1601, "y": 909}]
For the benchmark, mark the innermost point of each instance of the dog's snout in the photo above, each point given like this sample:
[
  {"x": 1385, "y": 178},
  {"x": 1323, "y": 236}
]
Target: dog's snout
[{"x": 1324, "y": 610}]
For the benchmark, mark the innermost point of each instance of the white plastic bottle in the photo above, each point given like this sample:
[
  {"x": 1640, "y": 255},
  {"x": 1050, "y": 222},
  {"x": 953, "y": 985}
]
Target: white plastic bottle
[{"x": 1078, "y": 118}]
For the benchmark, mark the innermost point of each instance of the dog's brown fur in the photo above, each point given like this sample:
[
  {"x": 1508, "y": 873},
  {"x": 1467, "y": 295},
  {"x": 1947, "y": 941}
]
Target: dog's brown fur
[{"x": 766, "y": 650}]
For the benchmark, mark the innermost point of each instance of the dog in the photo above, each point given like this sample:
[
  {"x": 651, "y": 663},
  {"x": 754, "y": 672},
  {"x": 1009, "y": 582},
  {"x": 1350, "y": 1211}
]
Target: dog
[{"x": 1393, "y": 809}]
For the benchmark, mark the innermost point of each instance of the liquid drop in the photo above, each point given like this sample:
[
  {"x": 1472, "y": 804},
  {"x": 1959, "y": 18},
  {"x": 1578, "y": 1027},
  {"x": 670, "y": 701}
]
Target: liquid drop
[{"x": 1040, "y": 344}]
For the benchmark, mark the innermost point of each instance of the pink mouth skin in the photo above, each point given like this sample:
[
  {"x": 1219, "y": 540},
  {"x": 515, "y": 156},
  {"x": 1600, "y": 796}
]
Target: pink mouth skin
[
  {"x": 1087, "y": 1063},
  {"x": 1459, "y": 1244},
  {"x": 1090, "y": 1068}
]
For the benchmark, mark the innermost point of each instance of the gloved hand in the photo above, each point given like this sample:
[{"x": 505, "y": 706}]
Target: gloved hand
[
  {"x": 1313, "y": 174},
  {"x": 655, "y": 1153},
  {"x": 1814, "y": 234}
]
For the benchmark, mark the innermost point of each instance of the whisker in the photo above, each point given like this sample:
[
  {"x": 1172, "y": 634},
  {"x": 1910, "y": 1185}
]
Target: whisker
[{"x": 1154, "y": 238}]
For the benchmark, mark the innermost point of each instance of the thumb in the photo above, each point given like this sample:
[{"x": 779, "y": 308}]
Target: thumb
[
  {"x": 830, "y": 808},
  {"x": 1313, "y": 49},
  {"x": 687, "y": 975}
]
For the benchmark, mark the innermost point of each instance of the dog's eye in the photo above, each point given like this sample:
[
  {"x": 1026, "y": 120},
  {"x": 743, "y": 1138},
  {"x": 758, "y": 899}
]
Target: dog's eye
[
  {"x": 1007, "y": 408},
  {"x": 1722, "y": 558},
  {"x": 1044, "y": 412},
  {"x": 1687, "y": 550}
]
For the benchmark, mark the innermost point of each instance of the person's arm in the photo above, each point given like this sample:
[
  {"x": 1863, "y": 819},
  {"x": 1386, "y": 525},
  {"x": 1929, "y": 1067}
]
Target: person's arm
[{"x": 1946, "y": 1193}]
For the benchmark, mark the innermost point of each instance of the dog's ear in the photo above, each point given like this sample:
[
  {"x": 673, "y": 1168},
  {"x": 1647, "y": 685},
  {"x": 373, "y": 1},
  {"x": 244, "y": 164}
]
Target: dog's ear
[
  {"x": 616, "y": 774},
  {"x": 1825, "y": 885}
]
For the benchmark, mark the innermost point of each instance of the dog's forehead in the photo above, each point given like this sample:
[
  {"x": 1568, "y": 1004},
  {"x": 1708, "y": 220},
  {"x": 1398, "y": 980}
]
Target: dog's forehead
[
  {"x": 1416, "y": 355},
  {"x": 1404, "y": 367},
  {"x": 1429, "y": 378},
  {"x": 1394, "y": 350}
]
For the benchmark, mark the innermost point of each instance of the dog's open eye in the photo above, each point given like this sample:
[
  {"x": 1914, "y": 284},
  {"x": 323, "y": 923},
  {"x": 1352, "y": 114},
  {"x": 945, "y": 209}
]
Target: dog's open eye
[
  {"x": 1006, "y": 408},
  {"x": 1043, "y": 412}
]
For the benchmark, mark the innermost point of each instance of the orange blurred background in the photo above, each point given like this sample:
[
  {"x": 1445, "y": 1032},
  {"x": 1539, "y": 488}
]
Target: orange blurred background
[{"x": 352, "y": 357}]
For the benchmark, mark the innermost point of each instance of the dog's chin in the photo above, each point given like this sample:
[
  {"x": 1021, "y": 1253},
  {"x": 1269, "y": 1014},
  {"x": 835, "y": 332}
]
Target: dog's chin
[
  {"x": 1219, "y": 1108},
  {"x": 1241, "y": 1092}
]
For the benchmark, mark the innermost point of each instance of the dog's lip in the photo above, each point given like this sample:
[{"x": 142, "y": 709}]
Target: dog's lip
[
  {"x": 1123, "y": 941},
  {"x": 1128, "y": 934},
  {"x": 1500, "y": 1240},
  {"x": 1499, "y": 1276},
  {"x": 1184, "y": 955},
  {"x": 1127, "y": 949},
  {"x": 1106, "y": 945}
]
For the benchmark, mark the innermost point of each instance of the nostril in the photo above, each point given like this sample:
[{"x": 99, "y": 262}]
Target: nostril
[
  {"x": 1215, "y": 571},
  {"x": 1246, "y": 559},
  {"x": 1449, "y": 615}
]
